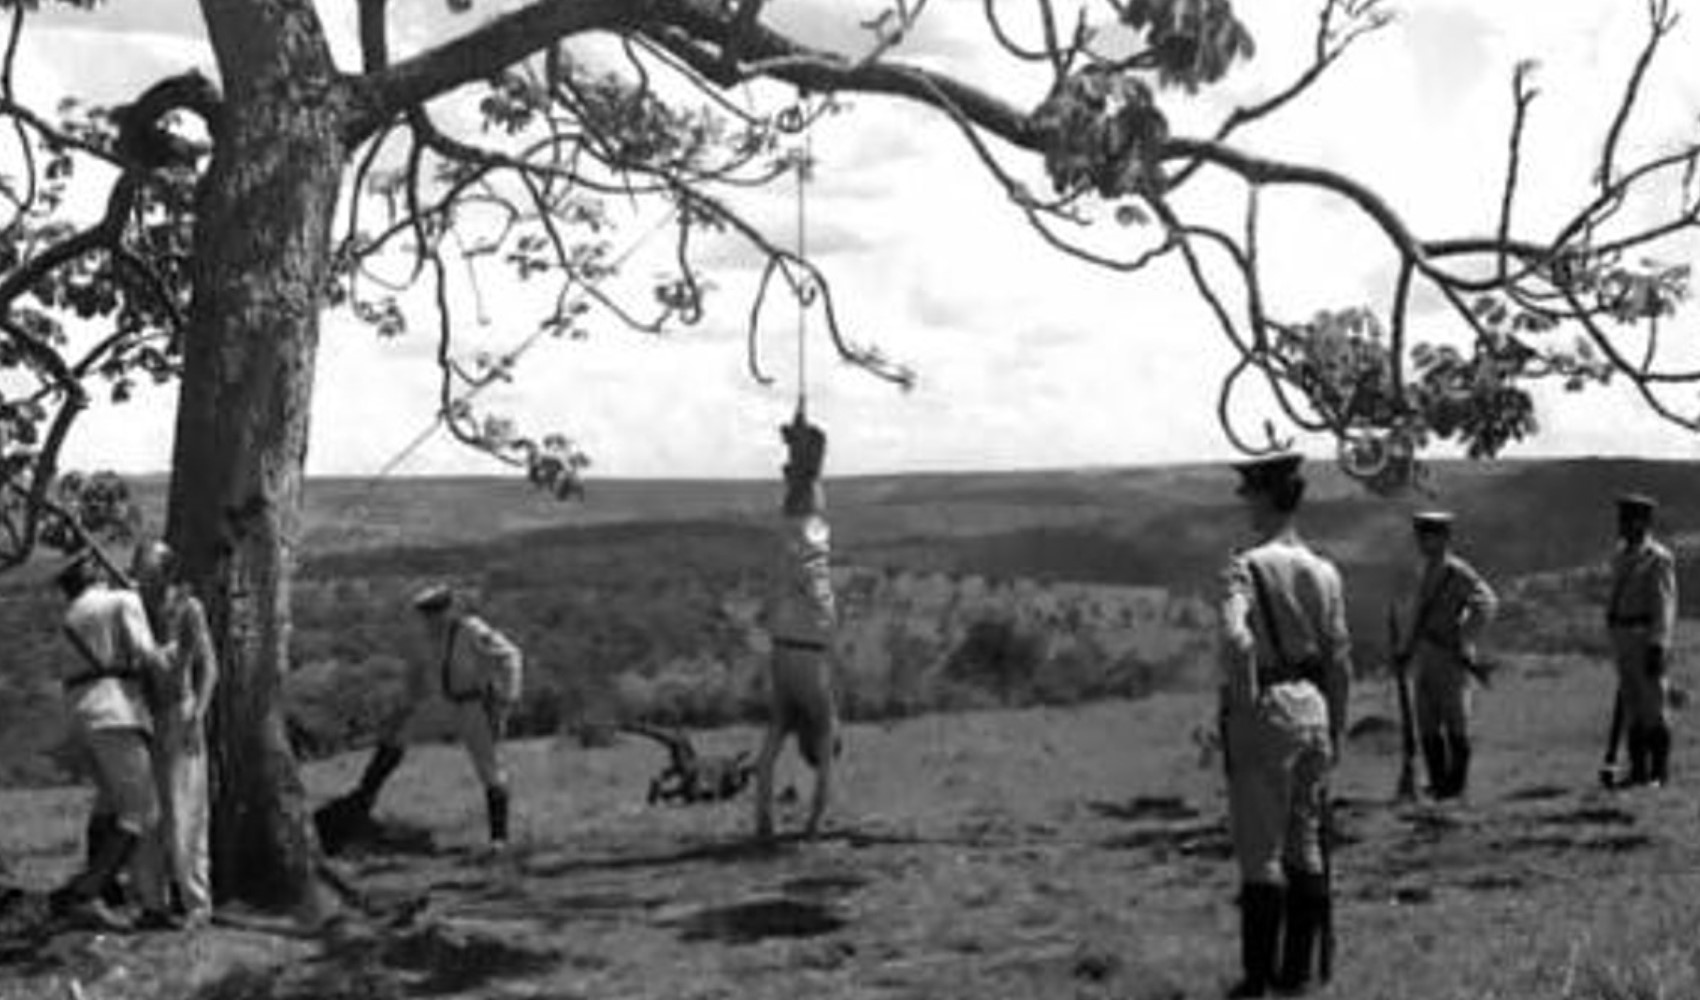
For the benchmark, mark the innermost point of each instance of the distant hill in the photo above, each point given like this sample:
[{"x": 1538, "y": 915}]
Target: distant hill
[{"x": 641, "y": 599}]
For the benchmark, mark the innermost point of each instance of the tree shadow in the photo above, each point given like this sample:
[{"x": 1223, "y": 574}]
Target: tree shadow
[
  {"x": 1206, "y": 840},
  {"x": 432, "y": 960},
  {"x": 1145, "y": 807}
]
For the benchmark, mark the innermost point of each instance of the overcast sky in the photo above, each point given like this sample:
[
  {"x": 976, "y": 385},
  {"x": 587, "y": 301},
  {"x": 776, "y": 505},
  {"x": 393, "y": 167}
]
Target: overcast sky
[{"x": 1026, "y": 359}]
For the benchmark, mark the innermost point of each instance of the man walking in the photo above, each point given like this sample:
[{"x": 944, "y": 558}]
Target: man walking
[
  {"x": 1286, "y": 665},
  {"x": 180, "y": 745},
  {"x": 802, "y": 615},
  {"x": 474, "y": 675},
  {"x": 1641, "y": 617},
  {"x": 116, "y": 663},
  {"x": 1449, "y": 606}
]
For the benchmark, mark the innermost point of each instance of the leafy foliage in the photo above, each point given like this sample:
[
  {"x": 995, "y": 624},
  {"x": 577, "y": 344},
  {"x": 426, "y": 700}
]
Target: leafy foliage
[
  {"x": 1103, "y": 132},
  {"x": 1193, "y": 42}
]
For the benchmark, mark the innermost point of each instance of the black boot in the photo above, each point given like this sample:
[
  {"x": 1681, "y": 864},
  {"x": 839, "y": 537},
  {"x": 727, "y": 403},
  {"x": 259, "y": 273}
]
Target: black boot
[
  {"x": 1261, "y": 907},
  {"x": 1658, "y": 754},
  {"x": 496, "y": 808},
  {"x": 1458, "y": 765},
  {"x": 100, "y": 828},
  {"x": 1307, "y": 919},
  {"x": 111, "y": 857},
  {"x": 1636, "y": 740},
  {"x": 1435, "y": 761},
  {"x": 385, "y": 759}
]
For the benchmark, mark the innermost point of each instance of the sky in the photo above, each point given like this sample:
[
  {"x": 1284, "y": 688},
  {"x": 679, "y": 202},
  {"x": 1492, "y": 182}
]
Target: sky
[{"x": 1026, "y": 358}]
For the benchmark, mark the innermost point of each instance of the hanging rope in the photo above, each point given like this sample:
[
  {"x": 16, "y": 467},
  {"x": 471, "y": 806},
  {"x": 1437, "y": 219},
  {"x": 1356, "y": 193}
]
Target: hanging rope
[{"x": 805, "y": 288}]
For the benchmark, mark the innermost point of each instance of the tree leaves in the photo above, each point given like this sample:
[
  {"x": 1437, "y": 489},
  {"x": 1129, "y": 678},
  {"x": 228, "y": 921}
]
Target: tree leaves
[
  {"x": 1102, "y": 130},
  {"x": 1192, "y": 42}
]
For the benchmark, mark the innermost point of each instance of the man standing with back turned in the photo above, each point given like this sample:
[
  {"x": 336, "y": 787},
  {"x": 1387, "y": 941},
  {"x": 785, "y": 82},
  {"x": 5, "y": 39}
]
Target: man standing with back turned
[
  {"x": 1641, "y": 617},
  {"x": 1285, "y": 658}
]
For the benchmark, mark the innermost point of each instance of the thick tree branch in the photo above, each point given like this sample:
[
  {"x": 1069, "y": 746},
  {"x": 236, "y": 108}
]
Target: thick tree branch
[{"x": 480, "y": 54}]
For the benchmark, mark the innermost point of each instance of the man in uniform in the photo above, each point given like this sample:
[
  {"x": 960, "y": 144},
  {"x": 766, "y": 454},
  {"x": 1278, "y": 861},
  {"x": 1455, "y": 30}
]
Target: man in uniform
[
  {"x": 1286, "y": 665},
  {"x": 1449, "y": 607},
  {"x": 1641, "y": 617},
  {"x": 116, "y": 663},
  {"x": 474, "y": 674},
  {"x": 801, "y": 618},
  {"x": 180, "y": 739}
]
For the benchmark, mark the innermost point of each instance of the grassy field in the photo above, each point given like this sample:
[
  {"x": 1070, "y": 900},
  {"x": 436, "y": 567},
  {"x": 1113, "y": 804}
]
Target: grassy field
[{"x": 1040, "y": 853}]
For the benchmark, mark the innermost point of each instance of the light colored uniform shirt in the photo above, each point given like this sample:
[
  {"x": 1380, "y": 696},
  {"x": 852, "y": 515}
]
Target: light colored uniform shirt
[
  {"x": 1304, "y": 598},
  {"x": 114, "y": 627},
  {"x": 802, "y": 607},
  {"x": 1643, "y": 591},
  {"x": 473, "y": 661},
  {"x": 1450, "y": 604}
]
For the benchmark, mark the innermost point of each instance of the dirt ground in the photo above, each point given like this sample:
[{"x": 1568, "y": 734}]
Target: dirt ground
[{"x": 1072, "y": 853}]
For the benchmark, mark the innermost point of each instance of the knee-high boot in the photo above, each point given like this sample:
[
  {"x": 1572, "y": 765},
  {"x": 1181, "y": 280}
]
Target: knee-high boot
[
  {"x": 496, "y": 810},
  {"x": 1306, "y": 921},
  {"x": 1261, "y": 911},
  {"x": 1658, "y": 753},
  {"x": 1458, "y": 764},
  {"x": 1435, "y": 761},
  {"x": 1636, "y": 739},
  {"x": 111, "y": 857}
]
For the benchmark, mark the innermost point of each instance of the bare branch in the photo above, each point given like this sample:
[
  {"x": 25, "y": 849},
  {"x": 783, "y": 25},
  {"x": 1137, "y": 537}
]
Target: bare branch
[
  {"x": 1662, "y": 20},
  {"x": 1521, "y": 95}
]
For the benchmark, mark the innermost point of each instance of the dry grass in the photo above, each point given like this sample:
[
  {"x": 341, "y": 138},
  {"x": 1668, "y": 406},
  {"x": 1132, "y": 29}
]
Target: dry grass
[{"x": 1050, "y": 852}]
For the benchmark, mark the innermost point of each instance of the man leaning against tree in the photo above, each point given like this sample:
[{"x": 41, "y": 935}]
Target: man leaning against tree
[{"x": 180, "y": 739}]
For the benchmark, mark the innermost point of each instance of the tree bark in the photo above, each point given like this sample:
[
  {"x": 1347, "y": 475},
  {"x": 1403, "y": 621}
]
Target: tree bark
[{"x": 262, "y": 245}]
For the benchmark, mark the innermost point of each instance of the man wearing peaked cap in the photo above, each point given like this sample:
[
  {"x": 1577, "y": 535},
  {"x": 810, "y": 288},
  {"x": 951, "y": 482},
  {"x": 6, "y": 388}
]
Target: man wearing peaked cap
[
  {"x": 1280, "y": 470},
  {"x": 1437, "y": 628},
  {"x": 1285, "y": 669},
  {"x": 1641, "y": 617},
  {"x": 472, "y": 676}
]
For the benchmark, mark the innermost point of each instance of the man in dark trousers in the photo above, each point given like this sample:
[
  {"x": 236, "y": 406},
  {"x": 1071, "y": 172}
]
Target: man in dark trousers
[
  {"x": 1286, "y": 668},
  {"x": 1641, "y": 618},
  {"x": 1448, "y": 607}
]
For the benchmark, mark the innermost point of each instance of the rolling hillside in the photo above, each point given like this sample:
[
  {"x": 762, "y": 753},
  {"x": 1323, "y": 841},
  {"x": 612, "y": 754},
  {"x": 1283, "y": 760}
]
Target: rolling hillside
[{"x": 963, "y": 589}]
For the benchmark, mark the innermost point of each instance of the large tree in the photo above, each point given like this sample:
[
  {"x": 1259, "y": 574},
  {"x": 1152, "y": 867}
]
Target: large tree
[{"x": 499, "y": 147}]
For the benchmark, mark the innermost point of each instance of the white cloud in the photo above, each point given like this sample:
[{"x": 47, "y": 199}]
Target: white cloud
[{"x": 1027, "y": 358}]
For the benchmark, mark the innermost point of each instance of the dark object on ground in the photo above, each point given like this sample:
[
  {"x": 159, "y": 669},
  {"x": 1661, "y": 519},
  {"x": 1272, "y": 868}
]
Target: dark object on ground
[{"x": 690, "y": 777}]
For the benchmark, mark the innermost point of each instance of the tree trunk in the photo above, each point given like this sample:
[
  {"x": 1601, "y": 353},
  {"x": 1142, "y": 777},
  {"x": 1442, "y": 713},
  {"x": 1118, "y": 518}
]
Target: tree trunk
[{"x": 262, "y": 250}]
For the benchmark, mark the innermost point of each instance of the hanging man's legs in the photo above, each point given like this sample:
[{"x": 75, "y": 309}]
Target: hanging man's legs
[{"x": 800, "y": 701}]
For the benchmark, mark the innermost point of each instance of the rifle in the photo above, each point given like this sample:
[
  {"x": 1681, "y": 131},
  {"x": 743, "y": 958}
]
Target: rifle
[
  {"x": 1407, "y": 790},
  {"x": 1608, "y": 768}
]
